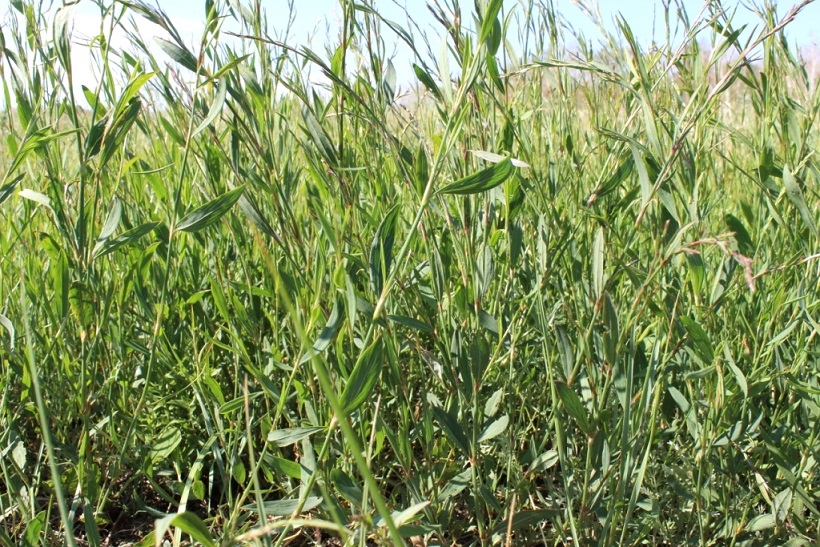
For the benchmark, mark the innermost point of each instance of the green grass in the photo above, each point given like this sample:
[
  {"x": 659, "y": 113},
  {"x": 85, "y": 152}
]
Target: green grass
[{"x": 281, "y": 315}]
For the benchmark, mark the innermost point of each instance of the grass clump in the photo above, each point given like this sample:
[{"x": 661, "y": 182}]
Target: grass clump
[{"x": 555, "y": 294}]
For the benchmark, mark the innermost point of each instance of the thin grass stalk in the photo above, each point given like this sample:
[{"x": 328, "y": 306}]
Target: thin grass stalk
[{"x": 68, "y": 527}]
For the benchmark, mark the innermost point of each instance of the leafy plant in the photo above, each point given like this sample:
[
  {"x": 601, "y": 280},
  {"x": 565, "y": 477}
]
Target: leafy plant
[{"x": 543, "y": 292}]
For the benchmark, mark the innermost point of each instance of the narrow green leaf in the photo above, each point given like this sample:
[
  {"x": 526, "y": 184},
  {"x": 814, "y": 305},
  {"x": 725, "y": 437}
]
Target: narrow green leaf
[
  {"x": 93, "y": 101},
  {"x": 783, "y": 504},
  {"x": 796, "y": 196},
  {"x": 527, "y": 519},
  {"x": 189, "y": 523},
  {"x": 574, "y": 406},
  {"x": 761, "y": 523},
  {"x": 33, "y": 141},
  {"x": 285, "y": 508},
  {"x": 319, "y": 137},
  {"x": 228, "y": 67},
  {"x": 731, "y": 40},
  {"x": 621, "y": 173},
  {"x": 34, "y": 530},
  {"x": 497, "y": 158},
  {"x": 62, "y": 26},
  {"x": 744, "y": 240},
  {"x": 783, "y": 334},
  {"x": 112, "y": 220},
  {"x": 544, "y": 461},
  {"x": 421, "y": 170},
  {"x": 115, "y": 132},
  {"x": 452, "y": 429},
  {"x": 211, "y": 212},
  {"x": 81, "y": 301},
  {"x": 216, "y": 107},
  {"x": 643, "y": 175},
  {"x": 285, "y": 467},
  {"x": 484, "y": 180},
  {"x": 166, "y": 443},
  {"x": 7, "y": 324},
  {"x": 493, "y": 42},
  {"x": 363, "y": 378},
  {"x": 494, "y": 429},
  {"x": 8, "y": 189},
  {"x": 409, "y": 514},
  {"x": 36, "y": 197},
  {"x": 381, "y": 250},
  {"x": 680, "y": 399},
  {"x": 246, "y": 14},
  {"x": 411, "y": 323},
  {"x": 612, "y": 333},
  {"x": 289, "y": 436},
  {"x": 126, "y": 238},
  {"x": 346, "y": 486},
  {"x": 698, "y": 374},
  {"x": 740, "y": 378},
  {"x": 488, "y": 322},
  {"x": 699, "y": 339},
  {"x": 251, "y": 210},
  {"x": 491, "y": 406},
  {"x": 334, "y": 323},
  {"x": 132, "y": 88},
  {"x": 455, "y": 485},
  {"x": 598, "y": 255},
  {"x": 237, "y": 403},
  {"x": 489, "y": 18},
  {"x": 171, "y": 130},
  {"x": 178, "y": 53},
  {"x": 389, "y": 82},
  {"x": 427, "y": 81},
  {"x": 485, "y": 271}
]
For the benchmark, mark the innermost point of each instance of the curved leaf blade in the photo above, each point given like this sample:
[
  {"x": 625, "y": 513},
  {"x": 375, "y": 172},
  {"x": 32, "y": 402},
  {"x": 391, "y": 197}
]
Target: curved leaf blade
[
  {"x": 187, "y": 522},
  {"x": 216, "y": 107},
  {"x": 179, "y": 54},
  {"x": 449, "y": 424},
  {"x": 211, "y": 212},
  {"x": 126, "y": 238},
  {"x": 112, "y": 220},
  {"x": 7, "y": 324},
  {"x": 292, "y": 435},
  {"x": 574, "y": 406},
  {"x": 494, "y": 429},
  {"x": 363, "y": 378},
  {"x": 484, "y": 180}
]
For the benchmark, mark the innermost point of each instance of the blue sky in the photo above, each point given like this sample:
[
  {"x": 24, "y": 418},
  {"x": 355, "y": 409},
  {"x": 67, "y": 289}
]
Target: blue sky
[
  {"x": 311, "y": 15},
  {"x": 640, "y": 14},
  {"x": 316, "y": 21}
]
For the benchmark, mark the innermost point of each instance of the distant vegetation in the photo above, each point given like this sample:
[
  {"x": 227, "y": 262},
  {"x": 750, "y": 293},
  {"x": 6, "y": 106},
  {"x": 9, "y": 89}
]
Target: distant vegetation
[{"x": 555, "y": 294}]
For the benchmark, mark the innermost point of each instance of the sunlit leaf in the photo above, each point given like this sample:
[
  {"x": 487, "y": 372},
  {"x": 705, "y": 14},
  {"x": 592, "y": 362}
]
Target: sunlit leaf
[
  {"x": 216, "y": 107},
  {"x": 483, "y": 180},
  {"x": 287, "y": 437}
]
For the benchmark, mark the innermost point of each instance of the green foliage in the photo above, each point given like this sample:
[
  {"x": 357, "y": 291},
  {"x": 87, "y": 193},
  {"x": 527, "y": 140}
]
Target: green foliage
[{"x": 550, "y": 294}]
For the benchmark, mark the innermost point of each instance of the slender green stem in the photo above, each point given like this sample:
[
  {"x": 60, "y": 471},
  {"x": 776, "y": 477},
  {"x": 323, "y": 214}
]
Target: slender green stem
[{"x": 68, "y": 526}]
